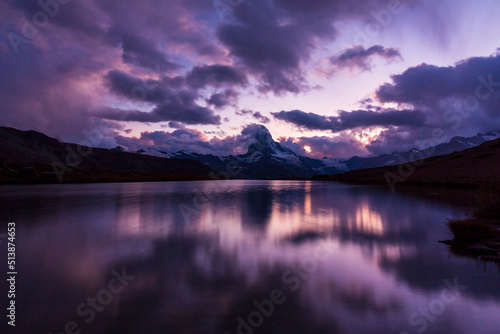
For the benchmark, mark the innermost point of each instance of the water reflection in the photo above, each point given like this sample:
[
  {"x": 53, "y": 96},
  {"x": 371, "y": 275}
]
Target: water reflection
[{"x": 201, "y": 264}]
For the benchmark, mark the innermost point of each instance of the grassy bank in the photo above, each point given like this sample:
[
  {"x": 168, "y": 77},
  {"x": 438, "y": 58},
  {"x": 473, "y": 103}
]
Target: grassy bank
[{"x": 478, "y": 235}]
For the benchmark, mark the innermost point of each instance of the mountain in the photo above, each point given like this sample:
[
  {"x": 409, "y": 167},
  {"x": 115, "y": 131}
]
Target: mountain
[
  {"x": 267, "y": 159},
  {"x": 475, "y": 166},
  {"x": 32, "y": 157},
  {"x": 264, "y": 159},
  {"x": 456, "y": 144},
  {"x": 29, "y": 156}
]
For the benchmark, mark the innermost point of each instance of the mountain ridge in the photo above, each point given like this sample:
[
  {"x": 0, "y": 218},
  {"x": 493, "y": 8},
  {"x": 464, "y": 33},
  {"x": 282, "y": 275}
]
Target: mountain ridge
[
  {"x": 473, "y": 167},
  {"x": 29, "y": 156},
  {"x": 32, "y": 157},
  {"x": 273, "y": 154}
]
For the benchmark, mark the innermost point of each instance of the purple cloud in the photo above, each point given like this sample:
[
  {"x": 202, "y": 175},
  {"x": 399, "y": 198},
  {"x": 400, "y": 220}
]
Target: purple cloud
[
  {"x": 274, "y": 40},
  {"x": 360, "y": 58},
  {"x": 463, "y": 99},
  {"x": 321, "y": 146},
  {"x": 215, "y": 76},
  {"x": 174, "y": 61},
  {"x": 428, "y": 84},
  {"x": 193, "y": 141},
  {"x": 352, "y": 120},
  {"x": 255, "y": 114},
  {"x": 220, "y": 100}
]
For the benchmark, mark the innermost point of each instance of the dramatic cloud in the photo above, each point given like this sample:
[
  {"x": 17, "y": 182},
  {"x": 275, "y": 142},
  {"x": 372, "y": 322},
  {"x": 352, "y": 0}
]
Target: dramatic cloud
[
  {"x": 255, "y": 114},
  {"x": 275, "y": 39},
  {"x": 263, "y": 119},
  {"x": 216, "y": 76},
  {"x": 193, "y": 141},
  {"x": 159, "y": 90},
  {"x": 361, "y": 58},
  {"x": 472, "y": 80},
  {"x": 458, "y": 100},
  {"x": 319, "y": 147},
  {"x": 126, "y": 85},
  {"x": 220, "y": 100},
  {"x": 179, "y": 62},
  {"x": 351, "y": 120},
  {"x": 182, "y": 110},
  {"x": 171, "y": 104},
  {"x": 39, "y": 93},
  {"x": 139, "y": 51},
  {"x": 59, "y": 71}
]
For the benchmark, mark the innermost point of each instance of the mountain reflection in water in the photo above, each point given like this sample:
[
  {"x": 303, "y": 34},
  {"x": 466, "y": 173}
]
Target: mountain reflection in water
[{"x": 347, "y": 259}]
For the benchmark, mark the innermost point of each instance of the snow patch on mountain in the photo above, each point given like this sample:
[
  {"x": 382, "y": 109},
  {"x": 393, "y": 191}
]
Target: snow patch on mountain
[
  {"x": 491, "y": 135},
  {"x": 155, "y": 152},
  {"x": 337, "y": 163}
]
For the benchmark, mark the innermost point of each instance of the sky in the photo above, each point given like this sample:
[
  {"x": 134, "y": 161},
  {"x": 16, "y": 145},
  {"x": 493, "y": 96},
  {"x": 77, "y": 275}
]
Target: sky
[{"x": 329, "y": 78}]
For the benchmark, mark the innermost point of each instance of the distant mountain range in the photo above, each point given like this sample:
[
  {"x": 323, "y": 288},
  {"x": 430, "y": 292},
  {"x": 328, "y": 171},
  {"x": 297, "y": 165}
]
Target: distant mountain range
[
  {"x": 29, "y": 156},
  {"x": 266, "y": 158},
  {"x": 475, "y": 167},
  {"x": 32, "y": 157}
]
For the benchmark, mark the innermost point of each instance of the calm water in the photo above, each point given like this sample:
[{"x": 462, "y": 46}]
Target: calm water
[{"x": 241, "y": 257}]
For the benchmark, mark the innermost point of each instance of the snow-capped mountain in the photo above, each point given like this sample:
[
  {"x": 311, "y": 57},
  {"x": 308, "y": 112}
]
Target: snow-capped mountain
[
  {"x": 456, "y": 144},
  {"x": 156, "y": 152},
  {"x": 267, "y": 158},
  {"x": 266, "y": 147}
]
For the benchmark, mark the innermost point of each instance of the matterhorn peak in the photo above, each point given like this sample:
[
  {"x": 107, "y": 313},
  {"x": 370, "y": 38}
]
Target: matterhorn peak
[{"x": 263, "y": 135}]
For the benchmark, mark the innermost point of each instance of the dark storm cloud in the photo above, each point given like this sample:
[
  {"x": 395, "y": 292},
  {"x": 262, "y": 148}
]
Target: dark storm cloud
[
  {"x": 404, "y": 129},
  {"x": 321, "y": 146},
  {"x": 175, "y": 97},
  {"x": 461, "y": 100},
  {"x": 138, "y": 50},
  {"x": 66, "y": 77},
  {"x": 396, "y": 139},
  {"x": 124, "y": 84},
  {"x": 351, "y": 120},
  {"x": 220, "y": 100},
  {"x": 68, "y": 16},
  {"x": 171, "y": 105},
  {"x": 169, "y": 88},
  {"x": 176, "y": 125},
  {"x": 193, "y": 141},
  {"x": 165, "y": 26},
  {"x": 176, "y": 103},
  {"x": 61, "y": 78},
  {"x": 38, "y": 91},
  {"x": 215, "y": 75},
  {"x": 425, "y": 84},
  {"x": 275, "y": 39},
  {"x": 359, "y": 57},
  {"x": 180, "y": 108},
  {"x": 185, "y": 110},
  {"x": 57, "y": 77},
  {"x": 169, "y": 141}
]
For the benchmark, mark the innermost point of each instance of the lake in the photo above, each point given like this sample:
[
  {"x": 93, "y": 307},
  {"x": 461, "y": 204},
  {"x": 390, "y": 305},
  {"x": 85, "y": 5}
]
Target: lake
[{"x": 242, "y": 257}]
